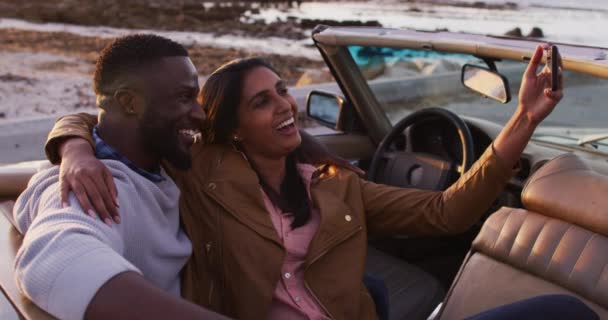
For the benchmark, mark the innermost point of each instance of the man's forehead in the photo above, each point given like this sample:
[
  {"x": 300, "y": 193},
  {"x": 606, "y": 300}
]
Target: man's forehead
[{"x": 173, "y": 69}]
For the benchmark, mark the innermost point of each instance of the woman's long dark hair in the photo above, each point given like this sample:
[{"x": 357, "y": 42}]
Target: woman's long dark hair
[{"x": 220, "y": 98}]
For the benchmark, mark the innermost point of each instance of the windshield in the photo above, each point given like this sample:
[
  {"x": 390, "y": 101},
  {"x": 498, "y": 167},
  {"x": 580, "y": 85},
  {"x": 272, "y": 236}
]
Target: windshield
[{"x": 405, "y": 80}]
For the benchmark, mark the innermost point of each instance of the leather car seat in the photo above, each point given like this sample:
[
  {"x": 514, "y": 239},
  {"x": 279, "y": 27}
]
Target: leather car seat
[{"x": 557, "y": 244}]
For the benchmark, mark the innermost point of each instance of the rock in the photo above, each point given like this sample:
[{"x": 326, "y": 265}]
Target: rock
[
  {"x": 536, "y": 32},
  {"x": 479, "y": 4},
  {"x": 420, "y": 64},
  {"x": 314, "y": 76},
  {"x": 374, "y": 68},
  {"x": 311, "y": 23},
  {"x": 514, "y": 32},
  {"x": 441, "y": 66},
  {"x": 9, "y": 77},
  {"x": 401, "y": 69}
]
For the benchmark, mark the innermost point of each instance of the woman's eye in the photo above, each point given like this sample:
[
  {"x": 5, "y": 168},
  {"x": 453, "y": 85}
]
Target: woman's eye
[
  {"x": 260, "y": 102},
  {"x": 283, "y": 91}
]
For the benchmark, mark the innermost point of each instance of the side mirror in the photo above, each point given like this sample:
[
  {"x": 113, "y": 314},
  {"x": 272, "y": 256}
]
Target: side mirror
[
  {"x": 487, "y": 82},
  {"x": 325, "y": 107}
]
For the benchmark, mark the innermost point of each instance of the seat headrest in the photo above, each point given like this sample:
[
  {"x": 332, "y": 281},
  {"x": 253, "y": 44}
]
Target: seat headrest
[
  {"x": 14, "y": 177},
  {"x": 566, "y": 188}
]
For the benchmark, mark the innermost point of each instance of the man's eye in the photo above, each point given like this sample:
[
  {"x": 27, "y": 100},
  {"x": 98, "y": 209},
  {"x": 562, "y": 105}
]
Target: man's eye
[
  {"x": 186, "y": 96},
  {"x": 283, "y": 91}
]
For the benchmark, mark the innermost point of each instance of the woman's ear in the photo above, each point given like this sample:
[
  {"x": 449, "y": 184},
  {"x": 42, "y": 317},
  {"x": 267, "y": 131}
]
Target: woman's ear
[{"x": 236, "y": 137}]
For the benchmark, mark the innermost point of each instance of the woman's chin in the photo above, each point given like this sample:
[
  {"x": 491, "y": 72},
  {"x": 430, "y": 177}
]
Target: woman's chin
[{"x": 292, "y": 143}]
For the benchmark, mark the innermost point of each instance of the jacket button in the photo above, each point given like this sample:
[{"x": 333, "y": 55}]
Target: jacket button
[
  {"x": 211, "y": 186},
  {"x": 348, "y": 218},
  {"x": 287, "y": 275}
]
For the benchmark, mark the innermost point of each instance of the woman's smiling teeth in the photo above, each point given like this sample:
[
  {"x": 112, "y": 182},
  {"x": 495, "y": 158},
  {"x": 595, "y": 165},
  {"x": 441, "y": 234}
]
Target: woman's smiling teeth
[{"x": 285, "y": 123}]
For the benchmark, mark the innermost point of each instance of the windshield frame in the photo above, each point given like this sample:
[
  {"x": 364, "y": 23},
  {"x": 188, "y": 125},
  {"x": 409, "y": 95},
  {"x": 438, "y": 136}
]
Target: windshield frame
[{"x": 356, "y": 89}]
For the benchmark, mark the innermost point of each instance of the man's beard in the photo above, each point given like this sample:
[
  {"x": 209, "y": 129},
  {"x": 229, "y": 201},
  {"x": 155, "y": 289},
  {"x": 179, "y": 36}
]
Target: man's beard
[{"x": 161, "y": 138}]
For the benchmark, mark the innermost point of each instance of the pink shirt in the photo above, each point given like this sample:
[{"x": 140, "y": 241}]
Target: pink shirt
[{"x": 292, "y": 300}]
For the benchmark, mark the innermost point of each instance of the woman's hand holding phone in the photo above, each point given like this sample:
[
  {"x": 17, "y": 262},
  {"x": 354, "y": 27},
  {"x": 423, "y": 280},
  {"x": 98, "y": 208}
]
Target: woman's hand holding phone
[{"x": 556, "y": 62}]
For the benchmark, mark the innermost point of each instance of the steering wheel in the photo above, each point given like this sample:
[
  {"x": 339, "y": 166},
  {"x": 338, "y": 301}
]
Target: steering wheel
[{"x": 420, "y": 170}]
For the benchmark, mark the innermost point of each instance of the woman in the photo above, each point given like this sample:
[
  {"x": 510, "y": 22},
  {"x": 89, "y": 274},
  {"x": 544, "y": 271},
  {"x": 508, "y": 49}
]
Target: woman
[{"x": 274, "y": 235}]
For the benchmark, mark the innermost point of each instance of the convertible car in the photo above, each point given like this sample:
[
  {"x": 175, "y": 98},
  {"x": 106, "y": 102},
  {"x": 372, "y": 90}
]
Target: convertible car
[{"x": 416, "y": 109}]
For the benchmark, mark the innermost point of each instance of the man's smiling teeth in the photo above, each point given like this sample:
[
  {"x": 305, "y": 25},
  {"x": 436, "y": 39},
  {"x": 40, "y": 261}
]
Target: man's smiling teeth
[
  {"x": 195, "y": 134},
  {"x": 285, "y": 123},
  {"x": 189, "y": 132}
]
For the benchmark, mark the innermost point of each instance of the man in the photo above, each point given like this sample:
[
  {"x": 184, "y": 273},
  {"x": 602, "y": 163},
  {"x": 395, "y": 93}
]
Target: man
[{"x": 76, "y": 267}]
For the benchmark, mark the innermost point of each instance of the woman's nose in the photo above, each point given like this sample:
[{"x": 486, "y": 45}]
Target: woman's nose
[
  {"x": 198, "y": 113},
  {"x": 283, "y": 104}
]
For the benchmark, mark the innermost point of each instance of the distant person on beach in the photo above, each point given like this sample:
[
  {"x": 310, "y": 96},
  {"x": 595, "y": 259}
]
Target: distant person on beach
[
  {"x": 74, "y": 266},
  {"x": 279, "y": 226}
]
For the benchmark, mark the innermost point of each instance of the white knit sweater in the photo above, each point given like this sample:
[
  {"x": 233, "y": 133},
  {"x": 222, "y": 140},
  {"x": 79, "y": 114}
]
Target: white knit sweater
[{"x": 66, "y": 255}]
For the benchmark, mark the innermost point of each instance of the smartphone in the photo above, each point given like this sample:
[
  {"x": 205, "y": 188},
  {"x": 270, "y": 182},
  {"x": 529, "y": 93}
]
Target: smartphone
[{"x": 554, "y": 68}]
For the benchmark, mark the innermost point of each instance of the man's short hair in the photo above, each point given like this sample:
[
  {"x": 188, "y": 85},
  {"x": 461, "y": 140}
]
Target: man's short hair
[{"x": 127, "y": 54}]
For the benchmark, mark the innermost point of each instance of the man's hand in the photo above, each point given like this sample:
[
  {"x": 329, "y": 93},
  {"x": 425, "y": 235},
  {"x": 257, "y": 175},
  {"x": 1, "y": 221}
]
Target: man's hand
[{"x": 89, "y": 179}]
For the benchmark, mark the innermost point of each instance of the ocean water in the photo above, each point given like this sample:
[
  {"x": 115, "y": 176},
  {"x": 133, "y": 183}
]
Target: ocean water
[
  {"x": 578, "y": 4},
  {"x": 571, "y": 21}
]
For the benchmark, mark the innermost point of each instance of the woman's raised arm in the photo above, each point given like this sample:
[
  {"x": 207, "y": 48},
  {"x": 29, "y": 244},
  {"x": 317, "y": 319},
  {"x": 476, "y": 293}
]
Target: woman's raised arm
[
  {"x": 71, "y": 145},
  {"x": 411, "y": 211}
]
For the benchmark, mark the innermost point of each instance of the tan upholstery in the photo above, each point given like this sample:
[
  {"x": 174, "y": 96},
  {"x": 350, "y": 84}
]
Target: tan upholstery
[
  {"x": 557, "y": 245},
  {"x": 10, "y": 240},
  {"x": 486, "y": 283},
  {"x": 567, "y": 189},
  {"x": 558, "y": 251}
]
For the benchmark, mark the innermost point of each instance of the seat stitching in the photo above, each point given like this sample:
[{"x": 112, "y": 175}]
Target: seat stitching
[
  {"x": 556, "y": 247},
  {"x": 535, "y": 241},
  {"x": 519, "y": 232},
  {"x": 517, "y": 235},
  {"x": 601, "y": 273},
  {"x": 502, "y": 228},
  {"x": 580, "y": 255}
]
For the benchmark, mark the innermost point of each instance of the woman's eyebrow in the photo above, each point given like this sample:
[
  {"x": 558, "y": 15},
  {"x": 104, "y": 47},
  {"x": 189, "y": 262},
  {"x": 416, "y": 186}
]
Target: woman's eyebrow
[{"x": 280, "y": 83}]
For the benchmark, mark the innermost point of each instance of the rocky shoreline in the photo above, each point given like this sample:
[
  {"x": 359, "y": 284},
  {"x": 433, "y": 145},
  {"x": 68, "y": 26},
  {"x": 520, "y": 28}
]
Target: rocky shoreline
[
  {"x": 49, "y": 73},
  {"x": 220, "y": 18},
  {"x": 205, "y": 58}
]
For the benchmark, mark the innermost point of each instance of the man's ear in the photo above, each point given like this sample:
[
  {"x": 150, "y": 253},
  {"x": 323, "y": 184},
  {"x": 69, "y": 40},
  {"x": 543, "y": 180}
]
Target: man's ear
[{"x": 129, "y": 101}]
